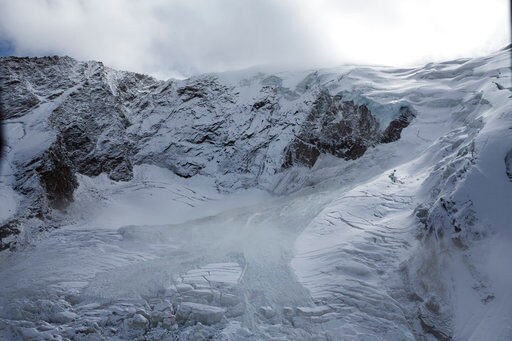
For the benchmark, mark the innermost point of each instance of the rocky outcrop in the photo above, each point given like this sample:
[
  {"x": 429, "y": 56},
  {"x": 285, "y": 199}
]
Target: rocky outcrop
[
  {"x": 394, "y": 130},
  {"x": 508, "y": 164},
  {"x": 7, "y": 232},
  {"x": 45, "y": 183},
  {"x": 92, "y": 124},
  {"x": 28, "y": 82},
  {"x": 341, "y": 128},
  {"x": 57, "y": 176}
]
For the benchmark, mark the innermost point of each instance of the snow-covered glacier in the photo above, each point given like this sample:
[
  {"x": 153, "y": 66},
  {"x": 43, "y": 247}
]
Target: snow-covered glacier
[{"x": 355, "y": 203}]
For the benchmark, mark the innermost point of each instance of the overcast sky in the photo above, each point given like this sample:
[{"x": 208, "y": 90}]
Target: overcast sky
[{"x": 177, "y": 38}]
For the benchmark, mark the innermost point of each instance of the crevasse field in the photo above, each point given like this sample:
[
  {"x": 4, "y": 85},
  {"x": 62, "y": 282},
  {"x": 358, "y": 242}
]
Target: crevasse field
[{"x": 410, "y": 241}]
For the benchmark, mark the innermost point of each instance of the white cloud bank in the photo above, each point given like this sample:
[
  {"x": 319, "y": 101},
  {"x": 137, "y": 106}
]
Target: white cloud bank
[{"x": 185, "y": 37}]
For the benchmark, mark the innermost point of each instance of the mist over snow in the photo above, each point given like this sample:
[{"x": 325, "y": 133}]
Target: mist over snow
[{"x": 180, "y": 38}]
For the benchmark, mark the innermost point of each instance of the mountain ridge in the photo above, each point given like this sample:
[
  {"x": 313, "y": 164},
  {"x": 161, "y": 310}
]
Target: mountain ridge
[
  {"x": 338, "y": 204},
  {"x": 104, "y": 121}
]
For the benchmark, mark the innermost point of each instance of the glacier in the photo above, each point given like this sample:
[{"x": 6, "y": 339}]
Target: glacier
[{"x": 354, "y": 203}]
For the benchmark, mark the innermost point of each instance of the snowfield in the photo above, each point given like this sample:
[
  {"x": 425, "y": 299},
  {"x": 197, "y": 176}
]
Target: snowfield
[{"x": 229, "y": 233}]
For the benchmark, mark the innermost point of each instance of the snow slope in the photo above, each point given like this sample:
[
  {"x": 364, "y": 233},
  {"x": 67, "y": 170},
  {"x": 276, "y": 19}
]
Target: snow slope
[
  {"x": 458, "y": 188},
  {"x": 188, "y": 222}
]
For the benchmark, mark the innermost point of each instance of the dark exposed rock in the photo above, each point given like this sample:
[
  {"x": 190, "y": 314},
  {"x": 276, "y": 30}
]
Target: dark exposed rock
[
  {"x": 301, "y": 153},
  {"x": 393, "y": 131},
  {"x": 341, "y": 128},
  {"x": 26, "y": 78},
  {"x": 259, "y": 105},
  {"x": 202, "y": 89},
  {"x": 57, "y": 176},
  {"x": 488, "y": 298},
  {"x": 508, "y": 164},
  {"x": 190, "y": 92},
  {"x": 118, "y": 167},
  {"x": 7, "y": 230},
  {"x": 93, "y": 131}
]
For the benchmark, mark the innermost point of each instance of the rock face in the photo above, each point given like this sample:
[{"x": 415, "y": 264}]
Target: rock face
[
  {"x": 508, "y": 164},
  {"x": 28, "y": 82},
  {"x": 393, "y": 131},
  {"x": 95, "y": 135},
  {"x": 243, "y": 130},
  {"x": 341, "y": 128},
  {"x": 57, "y": 176},
  {"x": 7, "y": 232}
]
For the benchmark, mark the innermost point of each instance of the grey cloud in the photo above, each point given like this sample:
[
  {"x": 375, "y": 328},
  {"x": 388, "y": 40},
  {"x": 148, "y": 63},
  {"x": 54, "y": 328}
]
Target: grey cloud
[{"x": 184, "y": 37}]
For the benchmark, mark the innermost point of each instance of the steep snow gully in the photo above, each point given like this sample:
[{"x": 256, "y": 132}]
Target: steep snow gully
[{"x": 341, "y": 204}]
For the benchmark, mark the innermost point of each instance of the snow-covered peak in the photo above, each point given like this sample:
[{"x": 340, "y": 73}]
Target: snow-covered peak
[{"x": 353, "y": 202}]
